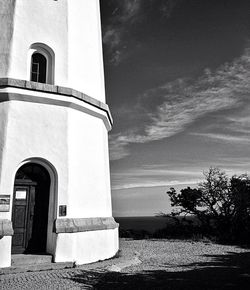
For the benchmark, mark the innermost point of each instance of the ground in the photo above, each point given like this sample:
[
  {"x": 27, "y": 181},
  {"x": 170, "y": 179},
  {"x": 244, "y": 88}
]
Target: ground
[{"x": 149, "y": 264}]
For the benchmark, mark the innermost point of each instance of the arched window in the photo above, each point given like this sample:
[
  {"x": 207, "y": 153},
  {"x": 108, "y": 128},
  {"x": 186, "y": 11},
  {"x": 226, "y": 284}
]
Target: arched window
[
  {"x": 42, "y": 63},
  {"x": 38, "y": 68}
]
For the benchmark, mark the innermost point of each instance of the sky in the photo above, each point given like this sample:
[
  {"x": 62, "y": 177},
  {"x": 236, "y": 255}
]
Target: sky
[{"x": 177, "y": 77}]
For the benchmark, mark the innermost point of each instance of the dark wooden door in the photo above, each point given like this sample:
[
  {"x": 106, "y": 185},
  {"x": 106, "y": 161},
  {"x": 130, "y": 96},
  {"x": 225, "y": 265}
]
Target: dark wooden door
[{"x": 22, "y": 216}]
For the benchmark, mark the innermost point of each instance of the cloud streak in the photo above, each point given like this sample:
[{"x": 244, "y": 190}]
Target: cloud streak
[
  {"x": 225, "y": 138},
  {"x": 162, "y": 175},
  {"x": 124, "y": 15},
  {"x": 147, "y": 184},
  {"x": 183, "y": 101},
  {"x": 149, "y": 176},
  {"x": 229, "y": 130}
]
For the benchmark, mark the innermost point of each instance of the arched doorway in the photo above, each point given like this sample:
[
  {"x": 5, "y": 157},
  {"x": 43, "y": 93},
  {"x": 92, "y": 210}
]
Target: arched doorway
[{"x": 30, "y": 209}]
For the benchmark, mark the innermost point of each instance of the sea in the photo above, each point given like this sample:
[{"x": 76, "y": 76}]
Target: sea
[{"x": 147, "y": 223}]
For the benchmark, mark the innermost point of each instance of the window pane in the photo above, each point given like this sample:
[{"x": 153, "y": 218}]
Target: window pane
[
  {"x": 35, "y": 67},
  {"x": 38, "y": 68},
  {"x": 34, "y": 77}
]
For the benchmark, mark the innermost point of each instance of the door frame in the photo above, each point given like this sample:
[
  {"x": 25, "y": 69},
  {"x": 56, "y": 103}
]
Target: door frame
[{"x": 53, "y": 198}]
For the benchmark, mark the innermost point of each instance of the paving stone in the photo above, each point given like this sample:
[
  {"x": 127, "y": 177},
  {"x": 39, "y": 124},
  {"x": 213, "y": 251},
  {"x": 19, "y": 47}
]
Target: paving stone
[
  {"x": 148, "y": 264},
  {"x": 55, "y": 279}
]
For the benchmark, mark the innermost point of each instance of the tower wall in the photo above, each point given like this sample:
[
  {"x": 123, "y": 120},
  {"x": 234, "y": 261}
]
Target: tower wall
[
  {"x": 39, "y": 21},
  {"x": 62, "y": 125},
  {"x": 7, "y": 10},
  {"x": 88, "y": 167},
  {"x": 76, "y": 42},
  {"x": 85, "y": 48}
]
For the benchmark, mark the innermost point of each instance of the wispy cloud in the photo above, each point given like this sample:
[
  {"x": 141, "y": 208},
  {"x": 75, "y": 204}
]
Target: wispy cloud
[
  {"x": 167, "y": 7},
  {"x": 229, "y": 129},
  {"x": 124, "y": 15},
  {"x": 118, "y": 146},
  {"x": 155, "y": 184},
  {"x": 163, "y": 175},
  {"x": 127, "y": 16},
  {"x": 184, "y": 101},
  {"x": 149, "y": 176},
  {"x": 225, "y": 138}
]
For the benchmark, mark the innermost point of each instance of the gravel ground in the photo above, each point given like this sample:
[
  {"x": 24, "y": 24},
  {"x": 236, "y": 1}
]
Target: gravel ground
[{"x": 149, "y": 264}]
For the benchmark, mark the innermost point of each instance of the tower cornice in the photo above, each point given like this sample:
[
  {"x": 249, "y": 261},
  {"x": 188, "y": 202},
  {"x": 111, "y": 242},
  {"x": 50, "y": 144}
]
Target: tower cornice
[{"x": 56, "y": 90}]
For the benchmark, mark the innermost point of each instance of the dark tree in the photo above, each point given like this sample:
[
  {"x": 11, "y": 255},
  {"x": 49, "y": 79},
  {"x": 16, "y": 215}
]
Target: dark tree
[{"x": 222, "y": 205}]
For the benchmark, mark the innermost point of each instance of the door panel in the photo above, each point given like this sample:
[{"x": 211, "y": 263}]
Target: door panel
[
  {"x": 20, "y": 211},
  {"x": 22, "y": 225}
]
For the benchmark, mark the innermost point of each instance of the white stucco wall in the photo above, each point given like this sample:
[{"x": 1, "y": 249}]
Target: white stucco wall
[
  {"x": 73, "y": 141},
  {"x": 62, "y": 132},
  {"x": 85, "y": 48},
  {"x": 89, "y": 180},
  {"x": 87, "y": 247},
  {"x": 71, "y": 136},
  {"x": 7, "y": 9},
  {"x": 5, "y": 251},
  {"x": 39, "y": 21},
  {"x": 71, "y": 29},
  {"x": 3, "y": 129},
  {"x": 34, "y": 131}
]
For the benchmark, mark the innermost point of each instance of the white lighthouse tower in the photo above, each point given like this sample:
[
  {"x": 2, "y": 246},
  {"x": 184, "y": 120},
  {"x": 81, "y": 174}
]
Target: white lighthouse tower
[{"x": 54, "y": 122}]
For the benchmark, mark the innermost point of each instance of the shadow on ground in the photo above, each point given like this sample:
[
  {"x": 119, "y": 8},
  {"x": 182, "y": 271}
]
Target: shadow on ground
[{"x": 230, "y": 271}]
